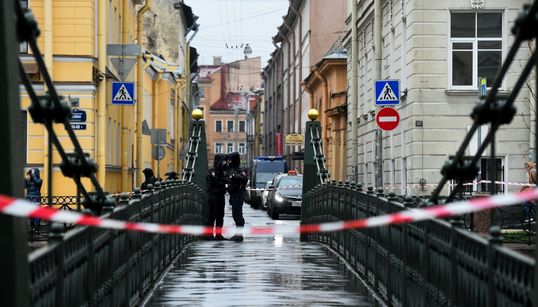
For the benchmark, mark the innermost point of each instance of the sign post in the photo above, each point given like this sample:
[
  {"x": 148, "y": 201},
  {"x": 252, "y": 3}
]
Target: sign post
[
  {"x": 78, "y": 119},
  {"x": 123, "y": 93},
  {"x": 387, "y": 119},
  {"x": 387, "y": 92},
  {"x": 158, "y": 140},
  {"x": 294, "y": 139}
]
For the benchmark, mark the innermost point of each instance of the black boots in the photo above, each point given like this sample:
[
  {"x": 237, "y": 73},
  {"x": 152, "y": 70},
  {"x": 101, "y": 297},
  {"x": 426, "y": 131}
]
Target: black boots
[{"x": 237, "y": 238}]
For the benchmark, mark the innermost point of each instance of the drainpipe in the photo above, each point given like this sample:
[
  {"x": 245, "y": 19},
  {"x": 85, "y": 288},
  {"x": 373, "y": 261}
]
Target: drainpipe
[
  {"x": 354, "y": 92},
  {"x": 325, "y": 102},
  {"x": 378, "y": 58},
  {"x": 289, "y": 83},
  {"x": 126, "y": 120},
  {"x": 49, "y": 61},
  {"x": 155, "y": 107},
  {"x": 296, "y": 12},
  {"x": 196, "y": 28},
  {"x": 101, "y": 94},
  {"x": 140, "y": 95},
  {"x": 294, "y": 73},
  {"x": 271, "y": 125}
]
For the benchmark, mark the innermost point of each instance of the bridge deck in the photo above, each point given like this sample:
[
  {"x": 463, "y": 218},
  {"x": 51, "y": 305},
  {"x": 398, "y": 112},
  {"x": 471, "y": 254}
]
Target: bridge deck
[{"x": 259, "y": 271}]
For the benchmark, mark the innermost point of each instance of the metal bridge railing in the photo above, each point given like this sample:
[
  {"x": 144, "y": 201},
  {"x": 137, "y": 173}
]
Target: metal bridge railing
[
  {"x": 432, "y": 263},
  {"x": 96, "y": 267}
]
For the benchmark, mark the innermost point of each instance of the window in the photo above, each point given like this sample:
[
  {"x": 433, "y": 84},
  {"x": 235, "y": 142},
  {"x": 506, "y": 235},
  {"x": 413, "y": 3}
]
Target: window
[
  {"x": 242, "y": 149},
  {"x": 241, "y": 126},
  {"x": 230, "y": 126},
  {"x": 476, "y": 41},
  {"x": 230, "y": 147},
  {"x": 218, "y": 126},
  {"x": 219, "y": 148},
  {"x": 23, "y": 47}
]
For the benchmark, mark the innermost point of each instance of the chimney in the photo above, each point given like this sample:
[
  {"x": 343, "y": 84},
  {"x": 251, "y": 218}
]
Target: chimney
[{"x": 217, "y": 60}]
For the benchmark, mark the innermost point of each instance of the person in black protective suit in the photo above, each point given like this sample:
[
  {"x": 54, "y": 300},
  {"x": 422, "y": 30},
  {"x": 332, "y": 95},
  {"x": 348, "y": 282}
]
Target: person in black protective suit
[
  {"x": 216, "y": 189},
  {"x": 150, "y": 179},
  {"x": 32, "y": 184},
  {"x": 237, "y": 183}
]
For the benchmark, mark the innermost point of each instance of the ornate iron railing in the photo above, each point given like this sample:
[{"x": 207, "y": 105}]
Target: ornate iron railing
[
  {"x": 433, "y": 263},
  {"x": 95, "y": 267}
]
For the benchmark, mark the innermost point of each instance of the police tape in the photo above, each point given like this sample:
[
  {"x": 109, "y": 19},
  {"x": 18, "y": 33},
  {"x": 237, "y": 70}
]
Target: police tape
[
  {"x": 419, "y": 185},
  {"x": 23, "y": 208}
]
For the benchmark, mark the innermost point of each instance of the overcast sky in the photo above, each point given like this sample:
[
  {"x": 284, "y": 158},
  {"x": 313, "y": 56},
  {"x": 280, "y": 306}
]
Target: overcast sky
[{"x": 225, "y": 24}]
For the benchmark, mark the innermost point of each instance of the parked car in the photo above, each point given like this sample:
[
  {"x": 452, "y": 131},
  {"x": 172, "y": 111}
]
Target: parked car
[
  {"x": 265, "y": 194},
  {"x": 285, "y": 195}
]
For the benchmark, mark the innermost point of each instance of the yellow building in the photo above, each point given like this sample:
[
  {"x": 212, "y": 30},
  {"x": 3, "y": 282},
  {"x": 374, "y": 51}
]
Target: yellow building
[
  {"x": 328, "y": 91},
  {"x": 74, "y": 39}
]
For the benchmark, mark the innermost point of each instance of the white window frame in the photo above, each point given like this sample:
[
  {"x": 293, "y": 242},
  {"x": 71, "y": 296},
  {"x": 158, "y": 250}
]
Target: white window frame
[
  {"x": 228, "y": 147},
  {"x": 242, "y": 148},
  {"x": 227, "y": 126},
  {"x": 217, "y": 151},
  {"x": 239, "y": 125},
  {"x": 474, "y": 41},
  {"x": 221, "y": 128}
]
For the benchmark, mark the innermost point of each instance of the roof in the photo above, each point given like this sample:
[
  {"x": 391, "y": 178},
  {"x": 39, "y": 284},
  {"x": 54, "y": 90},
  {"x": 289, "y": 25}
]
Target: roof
[
  {"x": 289, "y": 19},
  {"x": 189, "y": 16},
  {"x": 330, "y": 59},
  {"x": 341, "y": 54}
]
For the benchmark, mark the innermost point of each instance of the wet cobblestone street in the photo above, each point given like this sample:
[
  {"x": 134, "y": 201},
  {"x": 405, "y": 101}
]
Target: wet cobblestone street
[{"x": 264, "y": 271}]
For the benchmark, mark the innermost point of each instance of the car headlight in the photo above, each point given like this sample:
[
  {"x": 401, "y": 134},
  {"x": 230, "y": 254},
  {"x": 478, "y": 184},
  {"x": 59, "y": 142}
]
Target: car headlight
[{"x": 279, "y": 198}]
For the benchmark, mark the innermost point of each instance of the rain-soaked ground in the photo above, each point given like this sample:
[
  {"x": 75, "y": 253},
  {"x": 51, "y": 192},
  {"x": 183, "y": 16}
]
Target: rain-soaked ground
[{"x": 259, "y": 272}]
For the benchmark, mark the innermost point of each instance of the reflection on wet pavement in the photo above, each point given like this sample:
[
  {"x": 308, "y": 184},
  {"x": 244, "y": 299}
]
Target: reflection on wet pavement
[{"x": 259, "y": 272}]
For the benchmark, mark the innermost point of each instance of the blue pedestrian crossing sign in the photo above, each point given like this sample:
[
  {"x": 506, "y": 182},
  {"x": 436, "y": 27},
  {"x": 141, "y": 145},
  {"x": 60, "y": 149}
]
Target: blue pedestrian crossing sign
[
  {"x": 123, "y": 93},
  {"x": 387, "y": 92}
]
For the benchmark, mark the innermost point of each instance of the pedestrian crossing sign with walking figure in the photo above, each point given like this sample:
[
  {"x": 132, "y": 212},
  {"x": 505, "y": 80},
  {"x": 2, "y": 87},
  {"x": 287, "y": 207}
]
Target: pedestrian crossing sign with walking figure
[
  {"x": 123, "y": 93},
  {"x": 387, "y": 92}
]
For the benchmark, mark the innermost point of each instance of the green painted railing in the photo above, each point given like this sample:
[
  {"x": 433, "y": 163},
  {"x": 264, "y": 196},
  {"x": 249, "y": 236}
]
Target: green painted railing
[
  {"x": 433, "y": 263},
  {"x": 96, "y": 267}
]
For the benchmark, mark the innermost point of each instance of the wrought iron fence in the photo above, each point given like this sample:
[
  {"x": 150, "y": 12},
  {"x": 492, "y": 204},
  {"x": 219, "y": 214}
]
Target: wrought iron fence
[
  {"x": 96, "y": 267},
  {"x": 432, "y": 263}
]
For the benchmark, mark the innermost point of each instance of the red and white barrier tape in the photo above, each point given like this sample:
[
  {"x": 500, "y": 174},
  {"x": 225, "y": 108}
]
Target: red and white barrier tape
[
  {"x": 23, "y": 208},
  {"x": 418, "y": 185}
]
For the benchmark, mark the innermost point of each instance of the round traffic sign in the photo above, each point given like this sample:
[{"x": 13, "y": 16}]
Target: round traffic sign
[
  {"x": 158, "y": 152},
  {"x": 387, "y": 118}
]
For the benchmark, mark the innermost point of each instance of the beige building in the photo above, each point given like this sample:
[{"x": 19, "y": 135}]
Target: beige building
[
  {"x": 228, "y": 94},
  {"x": 438, "y": 50}
]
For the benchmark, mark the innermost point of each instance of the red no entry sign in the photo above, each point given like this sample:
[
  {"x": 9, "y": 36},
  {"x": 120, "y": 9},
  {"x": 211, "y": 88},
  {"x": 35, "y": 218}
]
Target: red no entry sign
[{"x": 387, "y": 118}]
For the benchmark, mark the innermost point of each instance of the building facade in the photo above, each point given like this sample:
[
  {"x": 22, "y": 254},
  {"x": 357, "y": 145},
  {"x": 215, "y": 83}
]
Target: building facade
[
  {"x": 327, "y": 86},
  {"x": 228, "y": 96},
  {"x": 304, "y": 38},
  {"x": 438, "y": 50},
  {"x": 74, "y": 44}
]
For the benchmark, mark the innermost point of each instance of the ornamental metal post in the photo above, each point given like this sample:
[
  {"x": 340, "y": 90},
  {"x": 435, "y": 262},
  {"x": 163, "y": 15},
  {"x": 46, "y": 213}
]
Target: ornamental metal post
[
  {"x": 14, "y": 258},
  {"x": 196, "y": 159}
]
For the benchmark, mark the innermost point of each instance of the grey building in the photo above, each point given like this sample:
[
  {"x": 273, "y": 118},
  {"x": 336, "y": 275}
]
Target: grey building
[
  {"x": 307, "y": 33},
  {"x": 438, "y": 50}
]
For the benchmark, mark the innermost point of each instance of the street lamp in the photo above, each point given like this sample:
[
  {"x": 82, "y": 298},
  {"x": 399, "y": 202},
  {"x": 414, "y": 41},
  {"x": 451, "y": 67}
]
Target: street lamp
[{"x": 247, "y": 51}]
